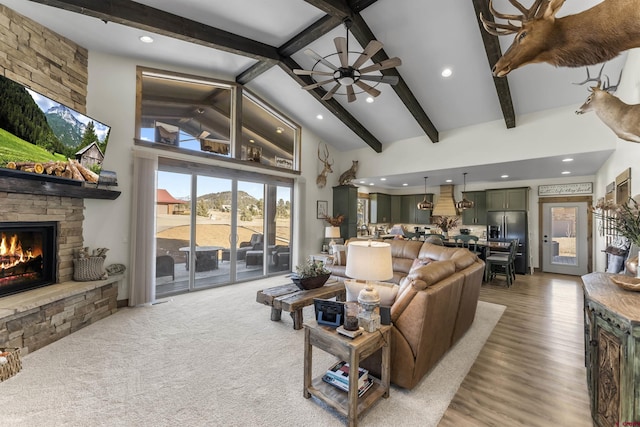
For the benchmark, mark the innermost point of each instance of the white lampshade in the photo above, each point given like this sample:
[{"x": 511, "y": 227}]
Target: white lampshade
[
  {"x": 369, "y": 261},
  {"x": 332, "y": 232}
]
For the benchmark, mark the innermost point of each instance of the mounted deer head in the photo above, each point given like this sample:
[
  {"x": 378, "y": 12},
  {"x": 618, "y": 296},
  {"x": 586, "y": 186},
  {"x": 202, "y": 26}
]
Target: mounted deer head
[
  {"x": 623, "y": 119},
  {"x": 321, "y": 180},
  {"x": 590, "y": 37}
]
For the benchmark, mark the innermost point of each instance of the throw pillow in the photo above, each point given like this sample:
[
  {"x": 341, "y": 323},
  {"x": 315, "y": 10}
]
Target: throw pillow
[
  {"x": 339, "y": 254},
  {"x": 387, "y": 291},
  {"x": 419, "y": 262}
]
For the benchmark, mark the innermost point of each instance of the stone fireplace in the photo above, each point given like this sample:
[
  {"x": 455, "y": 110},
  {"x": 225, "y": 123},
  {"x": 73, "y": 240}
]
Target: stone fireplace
[{"x": 43, "y": 303}]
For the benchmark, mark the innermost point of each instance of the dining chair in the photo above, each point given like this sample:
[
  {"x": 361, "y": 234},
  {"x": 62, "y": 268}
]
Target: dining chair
[
  {"x": 468, "y": 241},
  {"x": 502, "y": 263}
]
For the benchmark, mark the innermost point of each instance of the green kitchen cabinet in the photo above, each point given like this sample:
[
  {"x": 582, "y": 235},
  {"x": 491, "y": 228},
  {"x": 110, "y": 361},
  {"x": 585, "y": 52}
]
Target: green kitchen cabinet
[
  {"x": 477, "y": 215},
  {"x": 514, "y": 199},
  {"x": 380, "y": 205},
  {"x": 396, "y": 209},
  {"x": 410, "y": 213}
]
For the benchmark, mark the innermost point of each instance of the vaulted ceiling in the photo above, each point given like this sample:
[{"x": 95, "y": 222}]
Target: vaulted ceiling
[{"x": 260, "y": 43}]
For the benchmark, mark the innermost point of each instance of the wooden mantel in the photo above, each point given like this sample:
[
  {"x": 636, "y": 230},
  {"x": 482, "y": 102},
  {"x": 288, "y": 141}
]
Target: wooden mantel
[{"x": 13, "y": 181}]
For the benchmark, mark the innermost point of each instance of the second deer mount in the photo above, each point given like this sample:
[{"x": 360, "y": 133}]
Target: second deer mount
[{"x": 622, "y": 118}]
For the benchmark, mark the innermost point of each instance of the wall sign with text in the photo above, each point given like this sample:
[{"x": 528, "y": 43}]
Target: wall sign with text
[{"x": 560, "y": 189}]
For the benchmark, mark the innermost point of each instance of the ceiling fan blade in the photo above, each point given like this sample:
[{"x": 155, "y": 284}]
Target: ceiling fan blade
[
  {"x": 312, "y": 72},
  {"x": 392, "y": 80},
  {"x": 372, "y": 48},
  {"x": 383, "y": 65},
  {"x": 315, "y": 85},
  {"x": 369, "y": 89},
  {"x": 351, "y": 96},
  {"x": 341, "y": 48},
  {"x": 317, "y": 57},
  {"x": 329, "y": 94}
]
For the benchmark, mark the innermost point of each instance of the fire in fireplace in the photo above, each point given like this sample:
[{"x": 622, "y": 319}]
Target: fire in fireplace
[{"x": 27, "y": 255}]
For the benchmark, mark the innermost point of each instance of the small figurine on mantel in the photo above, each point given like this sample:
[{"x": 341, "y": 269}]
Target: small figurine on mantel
[{"x": 349, "y": 175}]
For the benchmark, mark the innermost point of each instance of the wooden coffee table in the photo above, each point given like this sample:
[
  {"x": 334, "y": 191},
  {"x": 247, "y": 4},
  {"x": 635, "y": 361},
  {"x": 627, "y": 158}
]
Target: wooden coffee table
[{"x": 292, "y": 300}]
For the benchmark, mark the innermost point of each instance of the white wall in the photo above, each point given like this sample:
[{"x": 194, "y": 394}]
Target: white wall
[{"x": 627, "y": 154}]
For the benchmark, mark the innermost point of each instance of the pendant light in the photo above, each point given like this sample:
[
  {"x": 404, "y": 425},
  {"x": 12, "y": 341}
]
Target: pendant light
[
  {"x": 425, "y": 205},
  {"x": 464, "y": 203}
]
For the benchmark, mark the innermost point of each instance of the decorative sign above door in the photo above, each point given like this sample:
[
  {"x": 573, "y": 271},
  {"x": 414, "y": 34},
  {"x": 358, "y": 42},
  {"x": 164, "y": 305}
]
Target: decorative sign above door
[{"x": 559, "y": 189}]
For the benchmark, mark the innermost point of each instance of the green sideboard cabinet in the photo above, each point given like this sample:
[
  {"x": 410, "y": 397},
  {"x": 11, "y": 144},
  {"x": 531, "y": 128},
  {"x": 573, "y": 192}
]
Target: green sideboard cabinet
[
  {"x": 396, "y": 209},
  {"x": 345, "y": 202},
  {"x": 612, "y": 351},
  {"x": 515, "y": 199},
  {"x": 476, "y": 215}
]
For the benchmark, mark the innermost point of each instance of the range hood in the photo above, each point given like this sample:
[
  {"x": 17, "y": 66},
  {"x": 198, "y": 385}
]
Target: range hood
[{"x": 445, "y": 204}]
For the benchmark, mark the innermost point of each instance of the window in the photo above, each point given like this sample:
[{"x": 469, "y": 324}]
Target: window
[{"x": 199, "y": 116}]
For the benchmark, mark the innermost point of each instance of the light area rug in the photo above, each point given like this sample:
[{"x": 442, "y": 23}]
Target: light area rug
[{"x": 208, "y": 358}]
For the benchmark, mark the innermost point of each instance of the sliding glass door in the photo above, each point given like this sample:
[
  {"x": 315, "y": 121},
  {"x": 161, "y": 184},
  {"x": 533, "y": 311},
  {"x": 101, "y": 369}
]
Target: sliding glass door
[{"x": 219, "y": 227}]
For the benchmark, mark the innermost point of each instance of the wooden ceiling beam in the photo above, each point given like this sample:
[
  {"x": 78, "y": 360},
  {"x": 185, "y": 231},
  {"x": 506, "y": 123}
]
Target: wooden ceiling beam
[
  {"x": 494, "y": 52},
  {"x": 364, "y": 35},
  {"x": 147, "y": 18},
  {"x": 288, "y": 65}
]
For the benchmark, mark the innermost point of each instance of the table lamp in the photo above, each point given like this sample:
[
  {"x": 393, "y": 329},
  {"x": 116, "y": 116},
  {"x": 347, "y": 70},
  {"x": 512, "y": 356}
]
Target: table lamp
[
  {"x": 369, "y": 261},
  {"x": 332, "y": 233}
]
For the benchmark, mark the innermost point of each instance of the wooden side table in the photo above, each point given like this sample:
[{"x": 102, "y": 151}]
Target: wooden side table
[{"x": 352, "y": 351}]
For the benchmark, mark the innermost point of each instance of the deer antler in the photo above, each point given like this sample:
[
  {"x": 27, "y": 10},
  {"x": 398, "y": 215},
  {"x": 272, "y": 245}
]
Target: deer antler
[
  {"x": 604, "y": 82},
  {"x": 498, "y": 29}
]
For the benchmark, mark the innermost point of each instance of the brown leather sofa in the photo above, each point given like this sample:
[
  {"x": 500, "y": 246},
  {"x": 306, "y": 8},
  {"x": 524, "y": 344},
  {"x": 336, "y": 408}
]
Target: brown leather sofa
[{"x": 435, "y": 306}]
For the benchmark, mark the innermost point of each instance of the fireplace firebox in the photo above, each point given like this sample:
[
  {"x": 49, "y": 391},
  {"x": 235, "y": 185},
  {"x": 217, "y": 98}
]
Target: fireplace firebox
[{"x": 27, "y": 255}]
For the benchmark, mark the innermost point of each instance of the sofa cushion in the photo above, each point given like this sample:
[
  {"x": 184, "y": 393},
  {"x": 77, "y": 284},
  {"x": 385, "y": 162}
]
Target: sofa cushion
[
  {"x": 387, "y": 291},
  {"x": 464, "y": 258},
  {"x": 433, "y": 272},
  {"x": 436, "y": 252}
]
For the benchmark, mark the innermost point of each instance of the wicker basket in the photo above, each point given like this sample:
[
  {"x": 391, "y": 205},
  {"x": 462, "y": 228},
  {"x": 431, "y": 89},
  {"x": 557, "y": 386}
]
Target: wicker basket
[
  {"x": 13, "y": 365},
  {"x": 87, "y": 269}
]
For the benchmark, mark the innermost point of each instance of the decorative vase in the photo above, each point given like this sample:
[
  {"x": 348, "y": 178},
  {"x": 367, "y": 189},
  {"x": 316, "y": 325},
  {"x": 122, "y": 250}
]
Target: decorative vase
[
  {"x": 632, "y": 266},
  {"x": 445, "y": 234}
]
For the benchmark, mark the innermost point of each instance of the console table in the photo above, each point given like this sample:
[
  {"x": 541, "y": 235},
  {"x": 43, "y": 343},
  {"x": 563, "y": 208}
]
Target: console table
[{"x": 612, "y": 350}]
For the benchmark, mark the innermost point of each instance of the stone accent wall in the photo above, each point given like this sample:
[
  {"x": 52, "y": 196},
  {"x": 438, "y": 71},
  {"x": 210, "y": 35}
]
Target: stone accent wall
[
  {"x": 66, "y": 211},
  {"x": 43, "y": 60},
  {"x": 44, "y": 315}
]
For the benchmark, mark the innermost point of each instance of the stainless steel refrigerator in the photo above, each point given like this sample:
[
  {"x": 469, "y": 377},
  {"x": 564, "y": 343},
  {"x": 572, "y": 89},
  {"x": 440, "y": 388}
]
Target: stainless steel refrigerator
[{"x": 504, "y": 226}]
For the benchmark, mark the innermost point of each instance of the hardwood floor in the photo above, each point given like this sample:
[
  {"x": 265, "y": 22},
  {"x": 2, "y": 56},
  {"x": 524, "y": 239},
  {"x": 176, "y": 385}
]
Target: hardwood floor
[{"x": 531, "y": 370}]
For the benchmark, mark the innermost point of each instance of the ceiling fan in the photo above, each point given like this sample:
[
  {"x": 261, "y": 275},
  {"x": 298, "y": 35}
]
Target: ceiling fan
[{"x": 348, "y": 75}]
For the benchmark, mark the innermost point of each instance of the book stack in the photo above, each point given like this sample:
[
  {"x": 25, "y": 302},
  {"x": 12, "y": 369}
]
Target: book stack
[{"x": 338, "y": 376}]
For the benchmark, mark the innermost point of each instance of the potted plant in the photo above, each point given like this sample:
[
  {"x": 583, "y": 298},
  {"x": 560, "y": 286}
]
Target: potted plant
[
  {"x": 446, "y": 223},
  {"x": 310, "y": 275},
  {"x": 623, "y": 219}
]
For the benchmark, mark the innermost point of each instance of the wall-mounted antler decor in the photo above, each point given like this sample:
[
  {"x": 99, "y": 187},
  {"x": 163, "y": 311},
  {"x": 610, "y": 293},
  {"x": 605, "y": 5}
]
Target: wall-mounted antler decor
[
  {"x": 321, "y": 180},
  {"x": 622, "y": 118},
  {"x": 590, "y": 37}
]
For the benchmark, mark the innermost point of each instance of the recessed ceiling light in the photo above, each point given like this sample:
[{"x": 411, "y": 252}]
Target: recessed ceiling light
[
  {"x": 568, "y": 159},
  {"x": 449, "y": 180},
  {"x": 361, "y": 182},
  {"x": 504, "y": 176},
  {"x": 446, "y": 72},
  {"x": 319, "y": 117},
  {"x": 371, "y": 183},
  {"x": 252, "y": 141},
  {"x": 279, "y": 129},
  {"x": 565, "y": 172},
  {"x": 146, "y": 39},
  {"x": 405, "y": 184},
  {"x": 383, "y": 179},
  {"x": 369, "y": 99}
]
